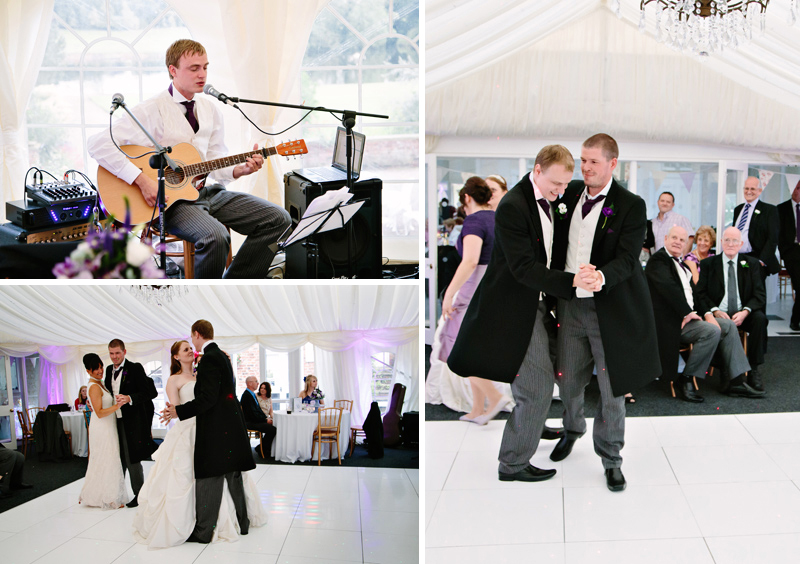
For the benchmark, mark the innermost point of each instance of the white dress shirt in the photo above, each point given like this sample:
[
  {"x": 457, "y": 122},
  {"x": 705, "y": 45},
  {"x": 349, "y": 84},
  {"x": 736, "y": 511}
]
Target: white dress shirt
[
  {"x": 685, "y": 276},
  {"x": 747, "y": 247},
  {"x": 116, "y": 380}
]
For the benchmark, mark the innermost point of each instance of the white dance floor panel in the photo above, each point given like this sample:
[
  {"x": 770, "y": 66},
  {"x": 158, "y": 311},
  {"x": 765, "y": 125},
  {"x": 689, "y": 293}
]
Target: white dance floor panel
[
  {"x": 707, "y": 489},
  {"x": 316, "y": 514}
]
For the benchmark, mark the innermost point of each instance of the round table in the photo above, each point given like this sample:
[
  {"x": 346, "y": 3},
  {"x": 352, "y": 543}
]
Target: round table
[
  {"x": 295, "y": 436},
  {"x": 74, "y": 423}
]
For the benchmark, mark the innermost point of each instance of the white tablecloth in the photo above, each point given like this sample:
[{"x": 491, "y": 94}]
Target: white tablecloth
[
  {"x": 73, "y": 422},
  {"x": 295, "y": 435}
]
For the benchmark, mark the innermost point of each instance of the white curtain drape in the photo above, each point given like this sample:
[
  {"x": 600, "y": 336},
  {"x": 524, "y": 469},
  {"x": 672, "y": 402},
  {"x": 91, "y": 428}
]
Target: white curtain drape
[
  {"x": 406, "y": 372},
  {"x": 24, "y": 28},
  {"x": 260, "y": 44},
  {"x": 351, "y": 372}
]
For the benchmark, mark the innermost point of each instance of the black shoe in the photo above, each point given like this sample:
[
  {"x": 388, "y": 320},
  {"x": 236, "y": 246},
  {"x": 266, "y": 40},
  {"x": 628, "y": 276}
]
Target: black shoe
[
  {"x": 194, "y": 538},
  {"x": 550, "y": 434},
  {"x": 794, "y": 326},
  {"x": 528, "y": 474},
  {"x": 743, "y": 390},
  {"x": 685, "y": 391},
  {"x": 724, "y": 381},
  {"x": 134, "y": 502},
  {"x": 21, "y": 486},
  {"x": 615, "y": 480},
  {"x": 563, "y": 447},
  {"x": 754, "y": 381}
]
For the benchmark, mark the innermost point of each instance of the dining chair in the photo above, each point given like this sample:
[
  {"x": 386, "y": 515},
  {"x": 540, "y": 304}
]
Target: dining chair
[
  {"x": 32, "y": 413},
  {"x": 256, "y": 434},
  {"x": 87, "y": 416},
  {"x": 329, "y": 419},
  {"x": 27, "y": 433},
  {"x": 347, "y": 405}
]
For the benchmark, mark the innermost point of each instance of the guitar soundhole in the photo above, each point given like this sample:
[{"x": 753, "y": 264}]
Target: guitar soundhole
[{"x": 174, "y": 177}]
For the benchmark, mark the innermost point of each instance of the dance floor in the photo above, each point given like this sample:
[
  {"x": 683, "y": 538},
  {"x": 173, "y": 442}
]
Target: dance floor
[
  {"x": 701, "y": 489},
  {"x": 316, "y": 514}
]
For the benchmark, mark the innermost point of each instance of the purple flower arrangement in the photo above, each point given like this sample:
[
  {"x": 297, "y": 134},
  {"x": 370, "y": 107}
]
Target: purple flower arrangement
[{"x": 110, "y": 253}]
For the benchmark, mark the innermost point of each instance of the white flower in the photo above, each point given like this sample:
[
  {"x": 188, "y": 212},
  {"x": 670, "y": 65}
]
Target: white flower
[
  {"x": 82, "y": 252},
  {"x": 136, "y": 253},
  {"x": 757, "y": 212},
  {"x": 562, "y": 208}
]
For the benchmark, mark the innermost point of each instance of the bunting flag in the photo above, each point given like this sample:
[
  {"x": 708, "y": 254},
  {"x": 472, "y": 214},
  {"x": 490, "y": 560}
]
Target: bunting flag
[
  {"x": 688, "y": 180},
  {"x": 764, "y": 176},
  {"x": 792, "y": 180},
  {"x": 658, "y": 178}
]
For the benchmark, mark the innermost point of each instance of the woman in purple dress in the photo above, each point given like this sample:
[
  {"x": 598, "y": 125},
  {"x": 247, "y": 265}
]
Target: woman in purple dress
[
  {"x": 705, "y": 238},
  {"x": 475, "y": 247}
]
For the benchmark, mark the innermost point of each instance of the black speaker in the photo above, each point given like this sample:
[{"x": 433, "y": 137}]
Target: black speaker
[{"x": 366, "y": 246}]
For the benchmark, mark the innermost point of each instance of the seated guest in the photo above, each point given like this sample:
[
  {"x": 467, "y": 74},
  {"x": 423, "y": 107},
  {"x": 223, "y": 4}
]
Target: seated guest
[
  {"x": 677, "y": 321},
  {"x": 731, "y": 288},
  {"x": 666, "y": 219},
  {"x": 311, "y": 393},
  {"x": 82, "y": 404},
  {"x": 705, "y": 237},
  {"x": 11, "y": 465},
  {"x": 254, "y": 417},
  {"x": 264, "y": 397}
]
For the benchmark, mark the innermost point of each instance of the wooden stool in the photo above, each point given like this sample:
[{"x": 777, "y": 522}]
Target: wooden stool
[{"x": 187, "y": 253}]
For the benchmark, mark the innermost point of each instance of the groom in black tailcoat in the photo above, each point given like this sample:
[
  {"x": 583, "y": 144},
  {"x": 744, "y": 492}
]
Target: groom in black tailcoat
[{"x": 222, "y": 449}]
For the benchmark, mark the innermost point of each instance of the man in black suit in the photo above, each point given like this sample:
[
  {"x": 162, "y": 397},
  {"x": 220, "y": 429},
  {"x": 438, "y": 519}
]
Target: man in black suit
[
  {"x": 255, "y": 417},
  {"x": 221, "y": 449},
  {"x": 11, "y": 466},
  {"x": 789, "y": 246},
  {"x": 505, "y": 334},
  {"x": 612, "y": 329},
  {"x": 677, "y": 321},
  {"x": 758, "y": 222},
  {"x": 731, "y": 287},
  {"x": 135, "y": 391}
]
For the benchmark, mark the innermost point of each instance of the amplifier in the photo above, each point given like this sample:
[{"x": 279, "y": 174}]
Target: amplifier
[
  {"x": 31, "y": 215},
  {"x": 10, "y": 233},
  {"x": 59, "y": 192}
]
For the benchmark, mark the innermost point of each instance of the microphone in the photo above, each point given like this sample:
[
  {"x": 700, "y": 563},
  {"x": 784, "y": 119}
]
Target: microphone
[
  {"x": 211, "y": 91},
  {"x": 117, "y": 101}
]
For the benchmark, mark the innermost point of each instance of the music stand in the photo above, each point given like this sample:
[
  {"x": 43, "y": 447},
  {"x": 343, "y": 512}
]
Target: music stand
[{"x": 335, "y": 217}]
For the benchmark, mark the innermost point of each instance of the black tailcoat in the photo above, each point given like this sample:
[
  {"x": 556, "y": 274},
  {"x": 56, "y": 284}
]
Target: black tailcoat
[
  {"x": 624, "y": 309},
  {"x": 763, "y": 234},
  {"x": 137, "y": 416},
  {"x": 669, "y": 307},
  {"x": 711, "y": 285},
  {"x": 790, "y": 250},
  {"x": 497, "y": 327},
  {"x": 221, "y": 445}
]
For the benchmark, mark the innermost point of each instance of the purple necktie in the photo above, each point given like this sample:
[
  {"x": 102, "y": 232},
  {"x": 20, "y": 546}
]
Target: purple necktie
[
  {"x": 589, "y": 204},
  {"x": 545, "y": 206},
  {"x": 797, "y": 222},
  {"x": 680, "y": 262},
  {"x": 190, "y": 115}
]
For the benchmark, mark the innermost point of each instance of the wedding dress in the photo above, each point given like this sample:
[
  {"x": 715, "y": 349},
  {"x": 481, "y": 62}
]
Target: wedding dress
[
  {"x": 166, "y": 514},
  {"x": 104, "y": 485}
]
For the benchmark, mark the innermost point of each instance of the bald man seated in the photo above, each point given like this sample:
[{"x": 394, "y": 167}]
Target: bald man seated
[
  {"x": 255, "y": 418},
  {"x": 679, "y": 324},
  {"x": 731, "y": 287}
]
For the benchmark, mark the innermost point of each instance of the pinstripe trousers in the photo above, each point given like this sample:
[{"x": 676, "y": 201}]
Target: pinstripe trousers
[
  {"x": 204, "y": 221},
  {"x": 533, "y": 392},
  {"x": 208, "y": 498},
  {"x": 580, "y": 347}
]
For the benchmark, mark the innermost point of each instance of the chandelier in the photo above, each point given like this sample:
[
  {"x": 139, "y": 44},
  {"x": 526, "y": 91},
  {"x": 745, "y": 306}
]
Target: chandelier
[
  {"x": 157, "y": 295},
  {"x": 701, "y": 27}
]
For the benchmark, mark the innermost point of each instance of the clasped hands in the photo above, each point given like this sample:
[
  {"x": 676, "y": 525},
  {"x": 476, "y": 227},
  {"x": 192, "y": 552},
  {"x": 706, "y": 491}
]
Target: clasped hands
[
  {"x": 122, "y": 399},
  {"x": 169, "y": 412},
  {"x": 588, "y": 278},
  {"x": 737, "y": 317}
]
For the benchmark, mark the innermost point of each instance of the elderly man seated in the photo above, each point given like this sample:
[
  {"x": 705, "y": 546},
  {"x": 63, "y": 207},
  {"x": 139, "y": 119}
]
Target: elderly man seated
[
  {"x": 678, "y": 323},
  {"x": 254, "y": 416},
  {"x": 11, "y": 466}
]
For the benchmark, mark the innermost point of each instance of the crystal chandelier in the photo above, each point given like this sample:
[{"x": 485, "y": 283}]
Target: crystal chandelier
[
  {"x": 701, "y": 27},
  {"x": 157, "y": 295}
]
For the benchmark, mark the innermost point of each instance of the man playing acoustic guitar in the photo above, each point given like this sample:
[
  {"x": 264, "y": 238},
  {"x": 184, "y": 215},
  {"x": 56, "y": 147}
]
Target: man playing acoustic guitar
[{"x": 176, "y": 116}]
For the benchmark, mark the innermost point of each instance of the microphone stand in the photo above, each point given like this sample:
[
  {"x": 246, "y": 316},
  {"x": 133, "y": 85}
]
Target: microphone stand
[
  {"x": 348, "y": 121},
  {"x": 159, "y": 160}
]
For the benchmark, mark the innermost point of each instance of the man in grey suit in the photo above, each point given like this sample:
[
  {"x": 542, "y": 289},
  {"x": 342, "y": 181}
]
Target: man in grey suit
[{"x": 511, "y": 295}]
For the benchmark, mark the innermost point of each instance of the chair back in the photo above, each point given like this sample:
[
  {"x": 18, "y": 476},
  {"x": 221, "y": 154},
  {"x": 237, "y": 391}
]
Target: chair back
[
  {"x": 87, "y": 416},
  {"x": 347, "y": 405},
  {"x": 329, "y": 419},
  {"x": 32, "y": 413},
  {"x": 23, "y": 424}
]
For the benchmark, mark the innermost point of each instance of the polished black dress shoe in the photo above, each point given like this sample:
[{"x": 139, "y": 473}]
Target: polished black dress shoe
[
  {"x": 21, "y": 486},
  {"x": 563, "y": 447},
  {"x": 754, "y": 381},
  {"x": 195, "y": 538},
  {"x": 134, "y": 502},
  {"x": 528, "y": 474},
  {"x": 615, "y": 480},
  {"x": 794, "y": 326},
  {"x": 744, "y": 390},
  {"x": 685, "y": 391},
  {"x": 550, "y": 434}
]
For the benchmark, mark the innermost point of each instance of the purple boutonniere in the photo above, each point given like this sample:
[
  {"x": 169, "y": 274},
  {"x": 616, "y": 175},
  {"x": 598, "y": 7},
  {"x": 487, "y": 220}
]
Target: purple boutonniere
[{"x": 607, "y": 212}]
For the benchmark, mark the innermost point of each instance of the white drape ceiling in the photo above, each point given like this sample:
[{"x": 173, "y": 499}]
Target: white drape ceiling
[{"x": 553, "y": 68}]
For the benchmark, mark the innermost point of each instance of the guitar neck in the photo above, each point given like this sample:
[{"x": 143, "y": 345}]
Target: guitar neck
[{"x": 206, "y": 167}]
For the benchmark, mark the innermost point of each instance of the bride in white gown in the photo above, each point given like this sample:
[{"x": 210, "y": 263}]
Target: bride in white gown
[
  {"x": 104, "y": 485},
  {"x": 166, "y": 514}
]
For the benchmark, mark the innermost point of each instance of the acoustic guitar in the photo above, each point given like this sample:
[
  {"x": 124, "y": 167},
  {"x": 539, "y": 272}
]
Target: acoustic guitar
[{"x": 181, "y": 184}]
